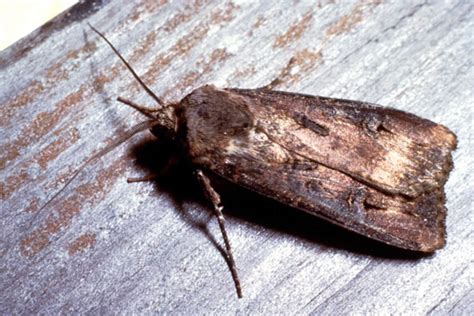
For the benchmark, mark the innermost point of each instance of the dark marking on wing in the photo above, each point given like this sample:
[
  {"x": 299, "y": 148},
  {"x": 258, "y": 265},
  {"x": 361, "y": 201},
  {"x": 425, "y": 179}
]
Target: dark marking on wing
[{"x": 306, "y": 122}]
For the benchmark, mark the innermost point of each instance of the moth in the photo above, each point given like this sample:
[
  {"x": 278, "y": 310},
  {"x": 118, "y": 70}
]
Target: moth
[{"x": 376, "y": 171}]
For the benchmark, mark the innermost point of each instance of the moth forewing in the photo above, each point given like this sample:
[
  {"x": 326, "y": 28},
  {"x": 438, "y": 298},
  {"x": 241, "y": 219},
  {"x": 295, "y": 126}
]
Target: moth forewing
[{"x": 363, "y": 167}]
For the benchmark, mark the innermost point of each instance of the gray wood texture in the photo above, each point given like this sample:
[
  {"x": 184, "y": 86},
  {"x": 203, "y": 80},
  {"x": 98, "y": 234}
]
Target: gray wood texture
[{"x": 105, "y": 246}]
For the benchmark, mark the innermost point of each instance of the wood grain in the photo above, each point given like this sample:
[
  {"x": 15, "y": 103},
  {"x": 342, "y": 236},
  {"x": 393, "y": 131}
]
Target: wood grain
[{"x": 105, "y": 246}]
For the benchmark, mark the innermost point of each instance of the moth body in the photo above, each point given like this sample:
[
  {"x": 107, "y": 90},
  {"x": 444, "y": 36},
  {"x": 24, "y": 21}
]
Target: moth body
[{"x": 376, "y": 171}]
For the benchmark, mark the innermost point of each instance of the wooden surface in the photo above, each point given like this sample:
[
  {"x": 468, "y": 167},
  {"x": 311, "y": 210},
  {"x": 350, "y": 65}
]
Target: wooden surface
[{"x": 105, "y": 246}]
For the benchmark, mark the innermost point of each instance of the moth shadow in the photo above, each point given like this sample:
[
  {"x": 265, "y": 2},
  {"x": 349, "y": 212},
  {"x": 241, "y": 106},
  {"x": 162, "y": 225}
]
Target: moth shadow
[
  {"x": 246, "y": 206},
  {"x": 266, "y": 212},
  {"x": 176, "y": 179}
]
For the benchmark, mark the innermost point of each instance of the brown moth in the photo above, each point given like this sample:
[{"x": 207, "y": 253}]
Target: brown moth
[{"x": 376, "y": 171}]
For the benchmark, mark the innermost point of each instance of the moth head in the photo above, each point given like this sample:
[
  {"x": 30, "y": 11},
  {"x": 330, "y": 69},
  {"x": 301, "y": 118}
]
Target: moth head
[{"x": 166, "y": 122}]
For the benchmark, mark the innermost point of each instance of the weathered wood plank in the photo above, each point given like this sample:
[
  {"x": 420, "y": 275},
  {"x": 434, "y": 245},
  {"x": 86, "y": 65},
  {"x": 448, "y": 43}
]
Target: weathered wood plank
[{"x": 104, "y": 245}]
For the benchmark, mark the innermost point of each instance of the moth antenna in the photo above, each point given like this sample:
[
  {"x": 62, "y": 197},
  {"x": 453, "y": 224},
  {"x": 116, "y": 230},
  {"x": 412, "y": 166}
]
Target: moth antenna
[
  {"x": 132, "y": 131},
  {"x": 144, "y": 111},
  {"x": 154, "y": 114},
  {"x": 140, "y": 81}
]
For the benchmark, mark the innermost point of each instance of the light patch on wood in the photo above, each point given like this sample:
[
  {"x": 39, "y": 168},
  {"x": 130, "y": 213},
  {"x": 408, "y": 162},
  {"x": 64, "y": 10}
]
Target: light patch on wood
[
  {"x": 203, "y": 66},
  {"x": 57, "y": 72},
  {"x": 57, "y": 147},
  {"x": 143, "y": 47},
  {"x": 152, "y": 6},
  {"x": 170, "y": 25},
  {"x": 41, "y": 124},
  {"x": 65, "y": 210},
  {"x": 44, "y": 122},
  {"x": 53, "y": 75},
  {"x": 21, "y": 99},
  {"x": 185, "y": 15},
  {"x": 187, "y": 42},
  {"x": 146, "y": 8}
]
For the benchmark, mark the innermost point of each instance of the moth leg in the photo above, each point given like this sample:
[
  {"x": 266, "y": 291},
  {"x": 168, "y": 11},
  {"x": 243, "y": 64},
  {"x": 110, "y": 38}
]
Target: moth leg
[
  {"x": 215, "y": 199},
  {"x": 284, "y": 73},
  {"x": 142, "y": 109},
  {"x": 150, "y": 177},
  {"x": 170, "y": 163},
  {"x": 275, "y": 82}
]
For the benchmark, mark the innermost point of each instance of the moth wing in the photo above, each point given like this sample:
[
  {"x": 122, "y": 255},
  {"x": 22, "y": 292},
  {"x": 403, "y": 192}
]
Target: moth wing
[
  {"x": 249, "y": 138},
  {"x": 388, "y": 149},
  {"x": 415, "y": 224}
]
